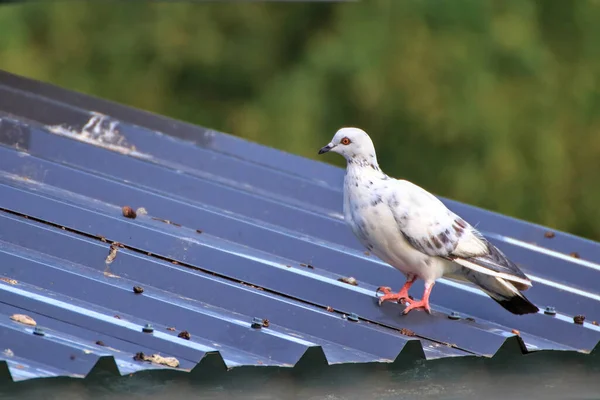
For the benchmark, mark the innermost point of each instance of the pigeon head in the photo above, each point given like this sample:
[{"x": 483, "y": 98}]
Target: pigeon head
[{"x": 354, "y": 144}]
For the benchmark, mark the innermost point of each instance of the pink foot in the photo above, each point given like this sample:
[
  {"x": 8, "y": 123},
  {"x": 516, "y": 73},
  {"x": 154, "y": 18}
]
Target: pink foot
[
  {"x": 397, "y": 297},
  {"x": 416, "y": 305},
  {"x": 388, "y": 295},
  {"x": 423, "y": 303}
]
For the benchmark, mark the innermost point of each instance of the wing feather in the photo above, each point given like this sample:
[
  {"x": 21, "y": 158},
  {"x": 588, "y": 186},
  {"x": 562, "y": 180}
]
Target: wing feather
[{"x": 431, "y": 228}]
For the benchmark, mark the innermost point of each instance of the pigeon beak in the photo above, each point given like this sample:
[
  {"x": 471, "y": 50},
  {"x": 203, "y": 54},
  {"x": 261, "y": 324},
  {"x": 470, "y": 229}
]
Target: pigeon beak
[{"x": 325, "y": 149}]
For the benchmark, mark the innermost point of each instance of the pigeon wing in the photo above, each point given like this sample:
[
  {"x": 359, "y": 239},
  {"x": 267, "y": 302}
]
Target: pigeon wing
[{"x": 430, "y": 227}]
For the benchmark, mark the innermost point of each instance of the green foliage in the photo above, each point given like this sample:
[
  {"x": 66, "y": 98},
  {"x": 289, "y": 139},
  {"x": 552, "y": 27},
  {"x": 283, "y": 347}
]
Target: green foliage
[{"x": 493, "y": 103}]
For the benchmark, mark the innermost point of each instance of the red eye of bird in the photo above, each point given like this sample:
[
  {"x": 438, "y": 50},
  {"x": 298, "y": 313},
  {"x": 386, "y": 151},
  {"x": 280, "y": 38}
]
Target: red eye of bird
[{"x": 345, "y": 141}]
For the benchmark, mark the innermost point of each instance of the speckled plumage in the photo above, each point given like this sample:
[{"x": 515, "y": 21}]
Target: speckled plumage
[{"x": 412, "y": 230}]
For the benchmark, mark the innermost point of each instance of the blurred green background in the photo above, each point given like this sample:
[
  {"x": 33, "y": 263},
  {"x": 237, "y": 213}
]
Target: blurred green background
[{"x": 493, "y": 103}]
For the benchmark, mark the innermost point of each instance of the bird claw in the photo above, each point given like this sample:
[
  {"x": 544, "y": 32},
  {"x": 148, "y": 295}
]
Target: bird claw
[
  {"x": 388, "y": 295},
  {"x": 384, "y": 290},
  {"x": 417, "y": 305}
]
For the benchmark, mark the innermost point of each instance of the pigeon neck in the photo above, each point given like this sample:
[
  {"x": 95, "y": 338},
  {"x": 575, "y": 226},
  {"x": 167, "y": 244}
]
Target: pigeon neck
[{"x": 369, "y": 163}]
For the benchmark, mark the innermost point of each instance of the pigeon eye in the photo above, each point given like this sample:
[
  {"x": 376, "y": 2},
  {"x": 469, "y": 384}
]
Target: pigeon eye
[{"x": 345, "y": 141}]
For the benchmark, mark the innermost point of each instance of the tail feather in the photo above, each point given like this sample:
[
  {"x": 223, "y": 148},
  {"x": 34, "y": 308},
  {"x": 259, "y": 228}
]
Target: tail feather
[{"x": 504, "y": 293}]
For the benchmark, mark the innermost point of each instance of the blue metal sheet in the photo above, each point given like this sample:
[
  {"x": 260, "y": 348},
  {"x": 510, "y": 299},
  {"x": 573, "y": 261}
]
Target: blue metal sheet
[
  {"x": 241, "y": 263},
  {"x": 255, "y": 233},
  {"x": 134, "y": 269},
  {"x": 291, "y": 244},
  {"x": 58, "y": 106},
  {"x": 18, "y": 96}
]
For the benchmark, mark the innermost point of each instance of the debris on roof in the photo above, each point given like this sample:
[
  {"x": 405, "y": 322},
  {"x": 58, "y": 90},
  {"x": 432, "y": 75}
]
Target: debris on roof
[{"x": 258, "y": 268}]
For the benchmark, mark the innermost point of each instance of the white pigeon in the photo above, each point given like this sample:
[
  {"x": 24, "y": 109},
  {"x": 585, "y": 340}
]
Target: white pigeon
[{"x": 413, "y": 231}]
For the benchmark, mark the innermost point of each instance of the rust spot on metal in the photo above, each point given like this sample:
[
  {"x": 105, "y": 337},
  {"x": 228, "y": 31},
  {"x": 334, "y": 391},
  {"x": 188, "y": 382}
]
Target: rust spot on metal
[
  {"x": 138, "y": 290},
  {"x": 307, "y": 266},
  {"x": 117, "y": 317},
  {"x": 8, "y": 280},
  {"x": 184, "y": 335},
  {"x": 578, "y": 319},
  {"x": 174, "y": 262},
  {"x": 549, "y": 235},
  {"x": 349, "y": 280},
  {"x": 595, "y": 323},
  {"x": 170, "y": 328},
  {"x": 574, "y": 254},
  {"x": 329, "y": 308},
  {"x": 407, "y": 332},
  {"x": 265, "y": 323},
  {"x": 516, "y": 332},
  {"x": 199, "y": 231},
  {"x": 128, "y": 212},
  {"x": 100, "y": 343},
  {"x": 367, "y": 253},
  {"x": 102, "y": 238}
]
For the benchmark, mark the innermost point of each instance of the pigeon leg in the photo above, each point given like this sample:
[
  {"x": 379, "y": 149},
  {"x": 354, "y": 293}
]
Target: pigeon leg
[
  {"x": 402, "y": 294},
  {"x": 423, "y": 303}
]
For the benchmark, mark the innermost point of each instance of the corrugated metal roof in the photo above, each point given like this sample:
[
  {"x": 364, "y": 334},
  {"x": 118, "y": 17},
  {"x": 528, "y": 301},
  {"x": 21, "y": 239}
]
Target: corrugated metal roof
[{"x": 234, "y": 231}]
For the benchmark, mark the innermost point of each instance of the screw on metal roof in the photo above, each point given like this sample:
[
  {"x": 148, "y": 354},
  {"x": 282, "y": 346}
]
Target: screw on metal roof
[
  {"x": 38, "y": 331},
  {"x": 353, "y": 317},
  {"x": 550, "y": 310},
  {"x": 454, "y": 315},
  {"x": 148, "y": 328},
  {"x": 257, "y": 323}
]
